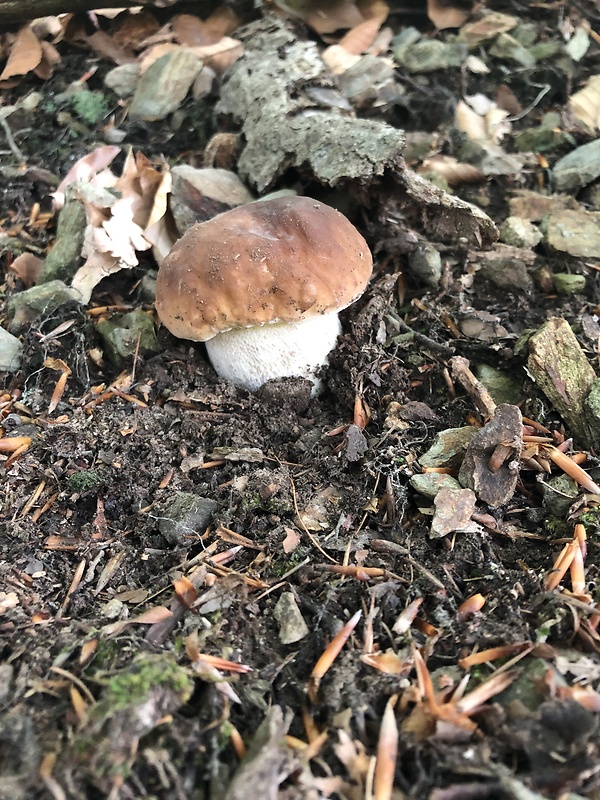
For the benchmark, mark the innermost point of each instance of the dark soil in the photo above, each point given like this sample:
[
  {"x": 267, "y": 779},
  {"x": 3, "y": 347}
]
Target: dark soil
[{"x": 81, "y": 546}]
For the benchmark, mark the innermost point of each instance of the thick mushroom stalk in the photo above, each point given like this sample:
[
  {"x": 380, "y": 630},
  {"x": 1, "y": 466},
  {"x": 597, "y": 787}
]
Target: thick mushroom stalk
[
  {"x": 249, "y": 357},
  {"x": 262, "y": 285}
]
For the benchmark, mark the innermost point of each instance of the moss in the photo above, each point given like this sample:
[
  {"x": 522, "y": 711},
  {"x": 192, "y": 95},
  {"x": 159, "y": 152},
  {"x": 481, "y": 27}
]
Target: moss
[
  {"x": 135, "y": 684},
  {"x": 84, "y": 480},
  {"x": 90, "y": 107}
]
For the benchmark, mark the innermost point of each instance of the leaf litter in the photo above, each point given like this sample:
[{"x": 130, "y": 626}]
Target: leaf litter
[{"x": 461, "y": 622}]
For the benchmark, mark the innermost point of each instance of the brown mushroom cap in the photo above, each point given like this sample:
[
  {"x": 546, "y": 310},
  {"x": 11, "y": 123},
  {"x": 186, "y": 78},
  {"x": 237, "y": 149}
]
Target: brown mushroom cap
[{"x": 281, "y": 260}]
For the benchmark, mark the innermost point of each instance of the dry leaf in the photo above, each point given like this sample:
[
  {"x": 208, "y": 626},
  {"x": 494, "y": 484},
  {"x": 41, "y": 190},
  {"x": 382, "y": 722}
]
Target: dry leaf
[
  {"x": 25, "y": 54},
  {"x": 454, "y": 172},
  {"x": 86, "y": 169},
  {"x": 291, "y": 541},
  {"x": 585, "y": 104},
  {"x": 446, "y": 14},
  {"x": 27, "y": 268}
]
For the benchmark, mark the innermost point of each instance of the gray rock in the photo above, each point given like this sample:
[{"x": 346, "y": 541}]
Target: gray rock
[
  {"x": 10, "y": 352},
  {"x": 578, "y": 168},
  {"x": 566, "y": 284},
  {"x": 430, "y": 483},
  {"x": 164, "y": 85},
  {"x": 121, "y": 336},
  {"x": 592, "y": 409},
  {"x": 40, "y": 300},
  {"x": 558, "y": 494},
  {"x": 508, "y": 48},
  {"x": 425, "y": 263},
  {"x": 507, "y": 267},
  {"x": 123, "y": 79},
  {"x": 574, "y": 232},
  {"x": 361, "y": 83},
  {"x": 448, "y": 448},
  {"x": 501, "y": 386},
  {"x": 292, "y": 627},
  {"x": 428, "y": 55},
  {"x": 519, "y": 232},
  {"x": 186, "y": 518},
  {"x": 63, "y": 260}
]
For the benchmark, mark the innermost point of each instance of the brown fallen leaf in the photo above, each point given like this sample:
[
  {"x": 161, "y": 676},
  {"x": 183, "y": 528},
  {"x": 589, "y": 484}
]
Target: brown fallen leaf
[
  {"x": 585, "y": 104},
  {"x": 25, "y": 54},
  {"x": 447, "y": 13}
]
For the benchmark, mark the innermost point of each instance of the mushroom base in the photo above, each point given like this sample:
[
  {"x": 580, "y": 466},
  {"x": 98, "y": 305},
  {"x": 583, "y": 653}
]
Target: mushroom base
[{"x": 249, "y": 357}]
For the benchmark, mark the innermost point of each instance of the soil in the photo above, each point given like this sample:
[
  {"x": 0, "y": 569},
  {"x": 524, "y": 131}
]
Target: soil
[{"x": 95, "y": 707}]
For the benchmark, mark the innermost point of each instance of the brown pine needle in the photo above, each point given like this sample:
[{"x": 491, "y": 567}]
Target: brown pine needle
[
  {"x": 329, "y": 655},
  {"x": 387, "y": 752},
  {"x": 572, "y": 469}
]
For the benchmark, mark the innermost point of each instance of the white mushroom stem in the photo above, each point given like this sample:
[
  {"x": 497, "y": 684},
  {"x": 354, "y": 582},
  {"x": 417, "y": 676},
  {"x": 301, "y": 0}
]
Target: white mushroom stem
[{"x": 249, "y": 357}]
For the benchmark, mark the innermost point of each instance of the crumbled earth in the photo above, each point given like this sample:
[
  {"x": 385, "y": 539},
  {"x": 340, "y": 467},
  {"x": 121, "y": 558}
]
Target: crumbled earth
[{"x": 97, "y": 704}]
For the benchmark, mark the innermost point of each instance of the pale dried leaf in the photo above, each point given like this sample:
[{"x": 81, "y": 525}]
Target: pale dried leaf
[
  {"x": 585, "y": 104},
  {"x": 455, "y": 172},
  {"x": 291, "y": 541},
  {"x": 338, "y": 59},
  {"x": 359, "y": 39},
  {"x": 86, "y": 169},
  {"x": 25, "y": 54},
  {"x": 8, "y": 600}
]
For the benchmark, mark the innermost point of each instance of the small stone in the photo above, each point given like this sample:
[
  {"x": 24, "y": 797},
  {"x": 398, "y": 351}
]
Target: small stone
[
  {"x": 44, "y": 299},
  {"x": 519, "y": 232},
  {"x": 63, "y": 260},
  {"x": 164, "y": 85},
  {"x": 559, "y": 366},
  {"x": 430, "y": 483},
  {"x": 578, "y": 168},
  {"x": 506, "y": 47},
  {"x": 507, "y": 267},
  {"x": 204, "y": 83},
  {"x": 425, "y": 264},
  {"x": 292, "y": 627},
  {"x": 574, "y": 232},
  {"x": 127, "y": 334},
  {"x": 558, "y": 494},
  {"x": 501, "y": 386},
  {"x": 592, "y": 409},
  {"x": 360, "y": 83},
  {"x": 448, "y": 448},
  {"x": 187, "y": 516},
  {"x": 123, "y": 79},
  {"x": 428, "y": 55},
  {"x": 566, "y": 284},
  {"x": 534, "y": 206},
  {"x": 112, "y": 609},
  {"x": 10, "y": 352}
]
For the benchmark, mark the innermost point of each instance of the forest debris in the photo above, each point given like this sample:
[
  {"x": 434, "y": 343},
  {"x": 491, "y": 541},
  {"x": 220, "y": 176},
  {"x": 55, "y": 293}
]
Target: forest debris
[
  {"x": 560, "y": 368},
  {"x": 268, "y": 762},
  {"x": 292, "y": 626},
  {"x": 429, "y": 484},
  {"x": 453, "y": 511},
  {"x": 491, "y": 463}
]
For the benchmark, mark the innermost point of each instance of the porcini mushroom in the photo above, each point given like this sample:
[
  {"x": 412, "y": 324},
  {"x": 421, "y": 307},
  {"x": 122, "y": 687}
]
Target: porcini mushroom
[{"x": 262, "y": 285}]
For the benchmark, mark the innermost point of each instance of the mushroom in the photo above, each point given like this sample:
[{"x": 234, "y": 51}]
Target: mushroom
[{"x": 262, "y": 285}]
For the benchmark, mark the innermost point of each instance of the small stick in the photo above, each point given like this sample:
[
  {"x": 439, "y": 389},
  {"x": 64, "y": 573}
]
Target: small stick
[{"x": 480, "y": 396}]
